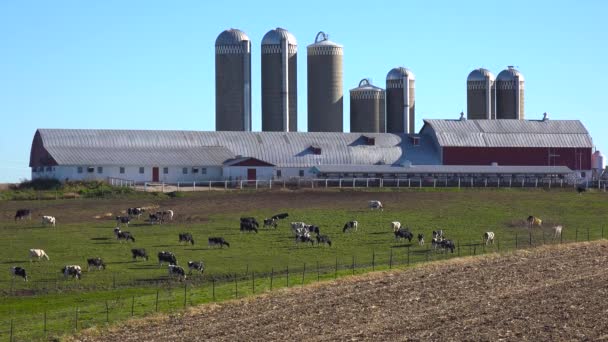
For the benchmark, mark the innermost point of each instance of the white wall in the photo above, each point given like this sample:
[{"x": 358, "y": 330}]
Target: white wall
[{"x": 240, "y": 172}]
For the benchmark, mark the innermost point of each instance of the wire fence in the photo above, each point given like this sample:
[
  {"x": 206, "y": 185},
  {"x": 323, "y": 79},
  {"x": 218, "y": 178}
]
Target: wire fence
[{"x": 171, "y": 294}]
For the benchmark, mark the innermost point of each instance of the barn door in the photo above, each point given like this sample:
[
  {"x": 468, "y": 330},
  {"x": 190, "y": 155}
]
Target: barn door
[
  {"x": 251, "y": 174},
  {"x": 155, "y": 174}
]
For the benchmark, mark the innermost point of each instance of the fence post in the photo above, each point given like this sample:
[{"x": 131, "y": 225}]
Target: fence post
[
  {"x": 213, "y": 286},
  {"x": 434, "y": 182},
  {"x": 185, "y": 293},
  {"x": 11, "y": 331},
  {"x": 515, "y": 240},
  {"x": 602, "y": 232},
  {"x": 44, "y": 328},
  {"x": 408, "y": 255},
  {"x": 253, "y": 282},
  {"x": 318, "y": 274},
  {"x": 236, "y": 287},
  {"x": 498, "y": 245},
  {"x": 336, "y": 269},
  {"x": 576, "y": 236},
  {"x": 225, "y": 185},
  {"x": 132, "y": 306},
  {"x": 536, "y": 183},
  {"x": 530, "y": 238},
  {"x": 373, "y": 260},
  {"x": 156, "y": 307},
  {"x": 458, "y": 247},
  {"x": 114, "y": 280},
  {"x": 560, "y": 238},
  {"x": 587, "y": 233},
  {"x": 287, "y": 275},
  {"x": 303, "y": 272},
  {"x": 409, "y": 183},
  {"x": 76, "y": 320},
  {"x": 390, "y": 260},
  {"x": 353, "y": 265},
  {"x": 108, "y": 312},
  {"x": 271, "y": 278},
  {"x": 325, "y": 183},
  {"x": 420, "y": 184}
]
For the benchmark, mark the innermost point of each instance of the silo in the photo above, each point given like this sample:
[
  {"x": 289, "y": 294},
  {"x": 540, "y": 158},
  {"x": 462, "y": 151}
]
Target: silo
[
  {"x": 481, "y": 95},
  {"x": 510, "y": 94},
  {"x": 232, "y": 81},
  {"x": 279, "y": 81},
  {"x": 325, "y": 98},
  {"x": 367, "y": 112},
  {"x": 400, "y": 101}
]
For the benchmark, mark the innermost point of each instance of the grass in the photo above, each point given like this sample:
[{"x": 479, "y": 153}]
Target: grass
[{"x": 464, "y": 216}]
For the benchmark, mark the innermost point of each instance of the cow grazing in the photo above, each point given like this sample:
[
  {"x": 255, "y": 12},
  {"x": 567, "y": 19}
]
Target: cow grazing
[
  {"x": 375, "y": 205},
  {"x": 196, "y": 266},
  {"x": 48, "y": 220},
  {"x": 120, "y": 235},
  {"x": 280, "y": 216},
  {"x": 123, "y": 220},
  {"x": 177, "y": 271},
  {"x": 447, "y": 244},
  {"x": 74, "y": 271},
  {"x": 22, "y": 214},
  {"x": 580, "y": 189},
  {"x": 396, "y": 226},
  {"x": 557, "y": 232},
  {"x": 17, "y": 271},
  {"x": 350, "y": 226},
  {"x": 305, "y": 239},
  {"x": 96, "y": 263},
  {"x": 404, "y": 234},
  {"x": 155, "y": 218},
  {"x": 250, "y": 220},
  {"x": 303, "y": 231},
  {"x": 167, "y": 215},
  {"x": 218, "y": 241},
  {"x": 421, "y": 239},
  {"x": 270, "y": 223},
  {"x": 323, "y": 239},
  {"x": 249, "y": 226},
  {"x": 488, "y": 238},
  {"x": 135, "y": 212},
  {"x": 313, "y": 229},
  {"x": 167, "y": 257},
  {"x": 297, "y": 225},
  {"x": 438, "y": 234},
  {"x": 38, "y": 254},
  {"x": 186, "y": 237},
  {"x": 139, "y": 253},
  {"x": 534, "y": 221}
]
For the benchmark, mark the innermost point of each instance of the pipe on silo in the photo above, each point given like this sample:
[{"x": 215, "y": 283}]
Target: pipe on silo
[
  {"x": 247, "y": 88},
  {"x": 517, "y": 98},
  {"x": 285, "y": 84},
  {"x": 489, "y": 97},
  {"x": 406, "y": 104}
]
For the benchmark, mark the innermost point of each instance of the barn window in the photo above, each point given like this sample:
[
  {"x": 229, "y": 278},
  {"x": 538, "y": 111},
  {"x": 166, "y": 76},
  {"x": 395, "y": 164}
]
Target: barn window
[
  {"x": 122, "y": 169},
  {"x": 195, "y": 170},
  {"x": 203, "y": 171},
  {"x": 301, "y": 173},
  {"x": 315, "y": 149},
  {"x": 370, "y": 141},
  {"x": 79, "y": 169},
  {"x": 185, "y": 170},
  {"x": 49, "y": 169},
  {"x": 90, "y": 169},
  {"x": 100, "y": 169},
  {"x": 279, "y": 173},
  {"x": 141, "y": 170},
  {"x": 165, "y": 170}
]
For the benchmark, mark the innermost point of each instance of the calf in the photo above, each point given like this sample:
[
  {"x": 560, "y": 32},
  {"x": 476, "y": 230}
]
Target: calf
[
  {"x": 270, "y": 223},
  {"x": 218, "y": 241},
  {"x": 120, "y": 235},
  {"x": 123, "y": 219},
  {"x": 177, "y": 271},
  {"x": 488, "y": 238},
  {"x": 186, "y": 237},
  {"x": 350, "y": 225},
  {"x": 396, "y": 226},
  {"x": 167, "y": 257},
  {"x": 557, "y": 232},
  {"x": 22, "y": 214},
  {"x": 197, "y": 266},
  {"x": 74, "y": 271},
  {"x": 139, "y": 253},
  {"x": 404, "y": 234},
  {"x": 96, "y": 262},
  {"x": 38, "y": 253},
  {"x": 375, "y": 205},
  {"x": 420, "y": 239},
  {"x": 48, "y": 220},
  {"x": 323, "y": 239},
  {"x": 17, "y": 271},
  {"x": 280, "y": 216}
]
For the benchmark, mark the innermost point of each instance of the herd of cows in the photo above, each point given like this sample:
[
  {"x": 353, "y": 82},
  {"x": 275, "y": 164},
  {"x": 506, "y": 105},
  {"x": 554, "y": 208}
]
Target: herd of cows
[{"x": 302, "y": 232}]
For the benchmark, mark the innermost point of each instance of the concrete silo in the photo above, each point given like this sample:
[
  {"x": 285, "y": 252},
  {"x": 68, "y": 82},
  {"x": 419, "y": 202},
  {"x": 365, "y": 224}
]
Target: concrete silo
[
  {"x": 481, "y": 95},
  {"x": 510, "y": 94},
  {"x": 279, "y": 81},
  {"x": 325, "y": 94},
  {"x": 232, "y": 81},
  {"x": 367, "y": 113},
  {"x": 400, "y": 101}
]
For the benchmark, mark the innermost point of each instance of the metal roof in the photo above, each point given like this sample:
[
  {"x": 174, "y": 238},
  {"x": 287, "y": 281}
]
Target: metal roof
[
  {"x": 276, "y": 36},
  {"x": 366, "y": 85},
  {"x": 231, "y": 37},
  {"x": 510, "y": 133},
  {"x": 509, "y": 74},
  {"x": 443, "y": 169},
  {"x": 480, "y": 75},
  {"x": 321, "y": 40},
  {"x": 400, "y": 72},
  {"x": 285, "y": 149}
]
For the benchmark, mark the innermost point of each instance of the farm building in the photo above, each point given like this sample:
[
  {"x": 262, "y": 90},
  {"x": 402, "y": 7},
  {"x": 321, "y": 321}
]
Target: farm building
[{"x": 454, "y": 147}]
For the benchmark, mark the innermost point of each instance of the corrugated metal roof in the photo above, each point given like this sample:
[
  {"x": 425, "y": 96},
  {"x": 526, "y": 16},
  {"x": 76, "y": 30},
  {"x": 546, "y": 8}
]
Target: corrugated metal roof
[
  {"x": 445, "y": 169},
  {"x": 511, "y": 133}
]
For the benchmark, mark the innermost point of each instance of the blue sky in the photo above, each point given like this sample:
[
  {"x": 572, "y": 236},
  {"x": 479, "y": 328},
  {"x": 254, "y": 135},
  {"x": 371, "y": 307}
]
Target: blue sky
[{"x": 150, "y": 64}]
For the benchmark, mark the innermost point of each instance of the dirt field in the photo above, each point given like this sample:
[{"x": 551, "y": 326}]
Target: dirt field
[{"x": 550, "y": 293}]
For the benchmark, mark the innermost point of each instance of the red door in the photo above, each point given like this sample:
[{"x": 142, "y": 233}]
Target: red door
[
  {"x": 251, "y": 174},
  {"x": 155, "y": 174}
]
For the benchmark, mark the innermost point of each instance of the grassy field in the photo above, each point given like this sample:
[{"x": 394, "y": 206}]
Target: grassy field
[{"x": 132, "y": 286}]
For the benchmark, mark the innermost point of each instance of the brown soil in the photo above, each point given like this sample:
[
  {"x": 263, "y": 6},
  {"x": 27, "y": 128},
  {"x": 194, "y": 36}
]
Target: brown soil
[{"x": 552, "y": 293}]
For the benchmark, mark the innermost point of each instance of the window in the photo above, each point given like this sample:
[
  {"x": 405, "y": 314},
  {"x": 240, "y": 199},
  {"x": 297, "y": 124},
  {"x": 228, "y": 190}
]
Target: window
[
  {"x": 203, "y": 171},
  {"x": 79, "y": 169},
  {"x": 122, "y": 169},
  {"x": 195, "y": 170},
  {"x": 279, "y": 173},
  {"x": 185, "y": 171},
  {"x": 415, "y": 141},
  {"x": 49, "y": 169},
  {"x": 369, "y": 140},
  {"x": 315, "y": 149},
  {"x": 165, "y": 170},
  {"x": 100, "y": 169},
  {"x": 141, "y": 169},
  {"x": 301, "y": 173},
  {"x": 90, "y": 169}
]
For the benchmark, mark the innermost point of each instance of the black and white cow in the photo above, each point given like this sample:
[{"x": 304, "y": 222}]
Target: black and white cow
[
  {"x": 249, "y": 225},
  {"x": 438, "y": 234},
  {"x": 167, "y": 257},
  {"x": 167, "y": 215},
  {"x": 421, "y": 239},
  {"x": 350, "y": 226},
  {"x": 252, "y": 220},
  {"x": 186, "y": 237},
  {"x": 97, "y": 263},
  {"x": 313, "y": 229},
  {"x": 123, "y": 220},
  {"x": 280, "y": 216},
  {"x": 488, "y": 238},
  {"x": 305, "y": 239},
  {"x": 375, "y": 205},
  {"x": 218, "y": 241},
  {"x": 402, "y": 233},
  {"x": 177, "y": 271},
  {"x": 120, "y": 235},
  {"x": 22, "y": 214},
  {"x": 135, "y": 212},
  {"x": 155, "y": 218},
  {"x": 271, "y": 223},
  {"x": 323, "y": 239},
  {"x": 447, "y": 244},
  {"x": 74, "y": 271},
  {"x": 139, "y": 253},
  {"x": 48, "y": 221},
  {"x": 17, "y": 271},
  {"x": 196, "y": 266}
]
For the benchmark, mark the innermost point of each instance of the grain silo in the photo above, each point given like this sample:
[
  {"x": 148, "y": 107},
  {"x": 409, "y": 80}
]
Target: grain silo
[
  {"x": 325, "y": 94},
  {"x": 510, "y": 94},
  {"x": 279, "y": 81},
  {"x": 400, "y": 101},
  {"x": 232, "y": 81},
  {"x": 367, "y": 113},
  {"x": 481, "y": 95}
]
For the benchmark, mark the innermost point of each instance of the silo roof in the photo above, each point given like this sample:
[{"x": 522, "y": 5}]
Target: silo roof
[
  {"x": 274, "y": 37},
  {"x": 398, "y": 73},
  {"x": 509, "y": 74},
  {"x": 231, "y": 37},
  {"x": 480, "y": 75},
  {"x": 366, "y": 85},
  {"x": 324, "y": 41}
]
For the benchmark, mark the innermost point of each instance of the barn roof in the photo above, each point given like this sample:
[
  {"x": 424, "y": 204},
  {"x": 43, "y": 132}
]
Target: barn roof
[
  {"x": 509, "y": 133},
  {"x": 444, "y": 169},
  {"x": 285, "y": 149}
]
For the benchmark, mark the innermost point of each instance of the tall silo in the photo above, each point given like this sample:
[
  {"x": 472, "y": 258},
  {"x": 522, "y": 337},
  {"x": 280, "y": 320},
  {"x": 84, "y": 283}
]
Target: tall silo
[
  {"x": 325, "y": 98},
  {"x": 400, "y": 101},
  {"x": 232, "y": 81},
  {"x": 279, "y": 81},
  {"x": 481, "y": 95},
  {"x": 367, "y": 113},
  {"x": 510, "y": 94}
]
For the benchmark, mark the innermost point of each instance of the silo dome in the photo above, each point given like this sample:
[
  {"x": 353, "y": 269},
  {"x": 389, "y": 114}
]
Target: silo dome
[
  {"x": 398, "y": 74},
  {"x": 510, "y": 74},
  {"x": 367, "y": 110},
  {"x": 400, "y": 101},
  {"x": 276, "y": 36},
  {"x": 481, "y": 95},
  {"x": 231, "y": 37},
  {"x": 480, "y": 75},
  {"x": 510, "y": 94}
]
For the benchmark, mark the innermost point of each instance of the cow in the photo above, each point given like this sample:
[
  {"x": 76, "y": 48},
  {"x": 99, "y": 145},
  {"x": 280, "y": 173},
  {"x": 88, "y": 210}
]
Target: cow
[
  {"x": 580, "y": 189},
  {"x": 534, "y": 221},
  {"x": 557, "y": 232},
  {"x": 135, "y": 212},
  {"x": 167, "y": 257},
  {"x": 155, "y": 218},
  {"x": 186, "y": 237},
  {"x": 39, "y": 254},
  {"x": 447, "y": 244},
  {"x": 197, "y": 266},
  {"x": 323, "y": 239},
  {"x": 123, "y": 219},
  {"x": 435, "y": 242},
  {"x": 404, "y": 234},
  {"x": 96, "y": 262},
  {"x": 313, "y": 229},
  {"x": 48, "y": 220},
  {"x": 120, "y": 235},
  {"x": 270, "y": 223},
  {"x": 303, "y": 231},
  {"x": 280, "y": 216},
  {"x": 438, "y": 234},
  {"x": 139, "y": 253},
  {"x": 249, "y": 226},
  {"x": 218, "y": 241},
  {"x": 167, "y": 214},
  {"x": 305, "y": 239},
  {"x": 350, "y": 225},
  {"x": 17, "y": 271},
  {"x": 74, "y": 271},
  {"x": 177, "y": 271},
  {"x": 250, "y": 220},
  {"x": 488, "y": 238},
  {"x": 375, "y": 205},
  {"x": 22, "y": 214},
  {"x": 421, "y": 239},
  {"x": 296, "y": 225},
  {"x": 395, "y": 225}
]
